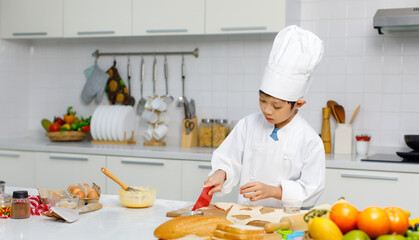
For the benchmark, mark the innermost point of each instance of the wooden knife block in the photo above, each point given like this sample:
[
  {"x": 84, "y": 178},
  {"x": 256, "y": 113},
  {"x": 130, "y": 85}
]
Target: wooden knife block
[{"x": 190, "y": 139}]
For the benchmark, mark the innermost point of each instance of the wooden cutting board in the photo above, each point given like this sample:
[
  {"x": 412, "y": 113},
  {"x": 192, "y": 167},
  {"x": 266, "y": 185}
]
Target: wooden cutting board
[{"x": 211, "y": 210}]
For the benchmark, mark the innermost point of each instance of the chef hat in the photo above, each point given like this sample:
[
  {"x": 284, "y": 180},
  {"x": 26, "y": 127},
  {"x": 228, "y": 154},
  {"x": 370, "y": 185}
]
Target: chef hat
[{"x": 294, "y": 55}]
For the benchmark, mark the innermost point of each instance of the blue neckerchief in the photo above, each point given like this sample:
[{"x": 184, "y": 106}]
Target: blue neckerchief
[{"x": 274, "y": 134}]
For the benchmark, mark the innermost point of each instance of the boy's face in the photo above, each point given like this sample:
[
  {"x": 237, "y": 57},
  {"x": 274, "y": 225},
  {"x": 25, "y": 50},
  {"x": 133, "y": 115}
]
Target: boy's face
[{"x": 277, "y": 111}]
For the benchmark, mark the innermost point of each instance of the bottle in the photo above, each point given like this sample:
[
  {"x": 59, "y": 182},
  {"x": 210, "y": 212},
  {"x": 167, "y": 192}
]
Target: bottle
[
  {"x": 21, "y": 207},
  {"x": 5, "y": 205},
  {"x": 205, "y": 132}
]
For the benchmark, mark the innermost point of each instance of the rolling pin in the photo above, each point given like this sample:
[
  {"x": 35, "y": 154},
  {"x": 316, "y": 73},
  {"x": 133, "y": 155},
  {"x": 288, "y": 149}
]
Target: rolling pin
[{"x": 293, "y": 222}]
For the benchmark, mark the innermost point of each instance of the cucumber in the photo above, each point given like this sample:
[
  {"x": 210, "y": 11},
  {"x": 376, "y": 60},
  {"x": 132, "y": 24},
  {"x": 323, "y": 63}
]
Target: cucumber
[{"x": 45, "y": 123}]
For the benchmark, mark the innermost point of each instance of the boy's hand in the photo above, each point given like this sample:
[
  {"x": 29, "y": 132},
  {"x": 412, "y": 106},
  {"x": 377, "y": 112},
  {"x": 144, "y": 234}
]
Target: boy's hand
[
  {"x": 216, "y": 180},
  {"x": 257, "y": 191}
]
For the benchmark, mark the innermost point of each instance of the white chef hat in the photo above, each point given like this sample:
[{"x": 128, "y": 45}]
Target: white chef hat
[{"x": 294, "y": 55}]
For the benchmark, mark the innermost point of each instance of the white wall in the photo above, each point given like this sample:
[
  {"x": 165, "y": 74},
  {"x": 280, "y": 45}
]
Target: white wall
[{"x": 359, "y": 67}]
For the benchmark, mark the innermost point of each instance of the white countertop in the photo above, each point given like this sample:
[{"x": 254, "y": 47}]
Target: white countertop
[
  {"x": 111, "y": 222},
  {"x": 42, "y": 144}
]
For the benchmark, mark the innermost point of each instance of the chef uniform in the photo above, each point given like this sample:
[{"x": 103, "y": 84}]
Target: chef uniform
[{"x": 295, "y": 158}]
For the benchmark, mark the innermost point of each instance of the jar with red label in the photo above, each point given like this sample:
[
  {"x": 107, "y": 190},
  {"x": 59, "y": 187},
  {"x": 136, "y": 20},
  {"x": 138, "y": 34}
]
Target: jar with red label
[
  {"x": 21, "y": 207},
  {"x": 5, "y": 205}
]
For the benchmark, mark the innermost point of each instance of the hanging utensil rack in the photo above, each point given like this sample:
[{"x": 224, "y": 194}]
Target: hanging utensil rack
[{"x": 97, "y": 54}]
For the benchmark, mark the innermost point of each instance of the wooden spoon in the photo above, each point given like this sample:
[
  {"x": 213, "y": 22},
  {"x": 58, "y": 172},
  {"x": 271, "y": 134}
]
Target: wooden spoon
[
  {"x": 330, "y": 105},
  {"x": 354, "y": 115},
  {"x": 340, "y": 113}
]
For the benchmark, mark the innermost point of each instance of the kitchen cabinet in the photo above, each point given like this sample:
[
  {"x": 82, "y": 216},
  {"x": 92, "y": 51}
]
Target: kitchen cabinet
[
  {"x": 168, "y": 17},
  {"x": 97, "y": 18},
  {"x": 244, "y": 16},
  {"x": 194, "y": 174},
  {"x": 31, "y": 19},
  {"x": 59, "y": 170},
  {"x": 372, "y": 188},
  {"x": 162, "y": 174},
  {"x": 17, "y": 168}
]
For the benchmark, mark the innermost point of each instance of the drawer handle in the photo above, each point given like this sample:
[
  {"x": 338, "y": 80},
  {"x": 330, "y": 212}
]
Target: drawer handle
[
  {"x": 95, "y": 32},
  {"x": 56, "y": 157},
  {"x": 243, "y": 28},
  {"x": 166, "y": 30},
  {"x": 350, "y": 175},
  {"x": 30, "y": 34},
  {"x": 15, "y": 155},
  {"x": 142, "y": 163},
  {"x": 204, "y": 166}
]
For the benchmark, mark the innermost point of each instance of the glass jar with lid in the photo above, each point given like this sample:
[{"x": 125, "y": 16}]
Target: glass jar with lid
[
  {"x": 21, "y": 207},
  {"x": 219, "y": 132},
  {"x": 205, "y": 132},
  {"x": 5, "y": 205}
]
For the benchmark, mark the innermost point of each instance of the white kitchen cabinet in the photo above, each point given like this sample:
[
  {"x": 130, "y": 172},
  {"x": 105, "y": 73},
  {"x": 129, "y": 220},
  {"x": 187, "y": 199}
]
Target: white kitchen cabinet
[
  {"x": 17, "y": 168},
  {"x": 372, "y": 188},
  {"x": 244, "y": 16},
  {"x": 97, "y": 18},
  {"x": 59, "y": 170},
  {"x": 164, "y": 175},
  {"x": 31, "y": 19},
  {"x": 194, "y": 174},
  {"x": 168, "y": 17}
]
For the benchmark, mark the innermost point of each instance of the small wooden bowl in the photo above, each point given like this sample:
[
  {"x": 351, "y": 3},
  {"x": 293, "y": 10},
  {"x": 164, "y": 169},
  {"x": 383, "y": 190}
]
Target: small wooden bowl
[{"x": 67, "y": 136}]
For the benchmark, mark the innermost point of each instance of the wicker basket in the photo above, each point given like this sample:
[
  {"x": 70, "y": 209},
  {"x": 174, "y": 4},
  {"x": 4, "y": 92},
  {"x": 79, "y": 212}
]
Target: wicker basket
[{"x": 65, "y": 136}]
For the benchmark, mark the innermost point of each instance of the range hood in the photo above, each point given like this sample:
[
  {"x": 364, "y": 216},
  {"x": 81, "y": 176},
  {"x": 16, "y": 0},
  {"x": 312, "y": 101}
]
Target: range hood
[{"x": 397, "y": 21}]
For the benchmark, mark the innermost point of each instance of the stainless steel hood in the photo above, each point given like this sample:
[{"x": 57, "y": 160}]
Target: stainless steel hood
[{"x": 397, "y": 21}]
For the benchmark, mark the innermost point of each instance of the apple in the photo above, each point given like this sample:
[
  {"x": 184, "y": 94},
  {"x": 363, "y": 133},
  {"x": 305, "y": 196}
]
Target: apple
[
  {"x": 356, "y": 235},
  {"x": 391, "y": 237}
]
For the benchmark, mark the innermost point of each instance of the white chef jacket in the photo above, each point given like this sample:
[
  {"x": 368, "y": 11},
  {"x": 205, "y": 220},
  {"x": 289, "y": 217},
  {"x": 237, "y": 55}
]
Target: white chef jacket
[{"x": 296, "y": 161}]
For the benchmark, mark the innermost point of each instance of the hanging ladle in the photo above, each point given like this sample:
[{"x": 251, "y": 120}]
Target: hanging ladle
[
  {"x": 181, "y": 99},
  {"x": 142, "y": 102},
  {"x": 168, "y": 98}
]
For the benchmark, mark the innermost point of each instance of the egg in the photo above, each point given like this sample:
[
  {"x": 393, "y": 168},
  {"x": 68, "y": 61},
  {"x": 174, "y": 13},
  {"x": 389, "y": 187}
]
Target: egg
[
  {"x": 71, "y": 187},
  {"x": 92, "y": 194},
  {"x": 75, "y": 191},
  {"x": 86, "y": 185},
  {"x": 80, "y": 193}
]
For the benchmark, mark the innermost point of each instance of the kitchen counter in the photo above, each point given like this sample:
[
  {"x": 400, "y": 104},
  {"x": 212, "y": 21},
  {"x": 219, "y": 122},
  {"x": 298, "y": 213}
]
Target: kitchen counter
[
  {"x": 111, "y": 222},
  {"x": 42, "y": 144}
]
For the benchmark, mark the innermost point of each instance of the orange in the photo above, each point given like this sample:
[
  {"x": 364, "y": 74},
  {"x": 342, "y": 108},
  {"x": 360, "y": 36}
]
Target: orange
[
  {"x": 344, "y": 215},
  {"x": 374, "y": 221},
  {"x": 399, "y": 221}
]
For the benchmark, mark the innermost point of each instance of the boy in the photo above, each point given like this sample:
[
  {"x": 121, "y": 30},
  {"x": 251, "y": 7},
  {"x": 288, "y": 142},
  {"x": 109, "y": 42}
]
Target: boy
[{"x": 276, "y": 155}]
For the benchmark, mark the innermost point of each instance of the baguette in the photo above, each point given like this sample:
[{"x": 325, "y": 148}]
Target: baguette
[{"x": 186, "y": 225}]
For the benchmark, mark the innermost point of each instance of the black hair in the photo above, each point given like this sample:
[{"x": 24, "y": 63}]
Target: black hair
[{"x": 290, "y": 102}]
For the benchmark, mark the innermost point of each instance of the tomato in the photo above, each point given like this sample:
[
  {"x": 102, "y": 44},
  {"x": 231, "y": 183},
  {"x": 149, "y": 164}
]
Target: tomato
[
  {"x": 54, "y": 127},
  {"x": 344, "y": 215},
  {"x": 373, "y": 221},
  {"x": 399, "y": 221}
]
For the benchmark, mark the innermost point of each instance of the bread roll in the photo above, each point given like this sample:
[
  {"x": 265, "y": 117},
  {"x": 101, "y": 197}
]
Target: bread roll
[{"x": 185, "y": 225}]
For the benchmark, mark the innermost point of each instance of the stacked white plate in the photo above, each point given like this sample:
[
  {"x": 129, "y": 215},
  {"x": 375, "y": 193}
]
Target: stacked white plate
[{"x": 111, "y": 123}]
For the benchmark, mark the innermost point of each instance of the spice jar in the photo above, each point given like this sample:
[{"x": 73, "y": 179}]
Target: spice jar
[
  {"x": 205, "y": 132},
  {"x": 5, "y": 205},
  {"x": 219, "y": 132},
  {"x": 21, "y": 207}
]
